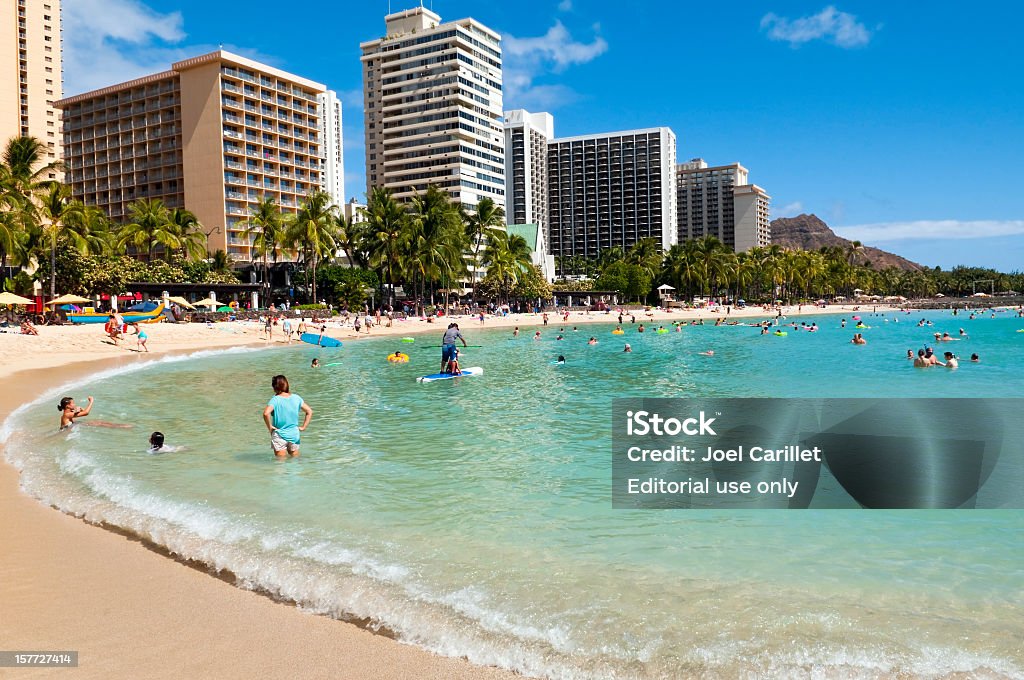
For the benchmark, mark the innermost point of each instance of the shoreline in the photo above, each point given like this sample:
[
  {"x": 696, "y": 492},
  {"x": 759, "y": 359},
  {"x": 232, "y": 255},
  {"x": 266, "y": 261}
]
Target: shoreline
[
  {"x": 126, "y": 595},
  {"x": 122, "y": 595}
]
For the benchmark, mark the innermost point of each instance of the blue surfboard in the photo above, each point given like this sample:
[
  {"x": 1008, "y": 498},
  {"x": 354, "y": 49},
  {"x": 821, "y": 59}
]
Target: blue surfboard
[
  {"x": 316, "y": 339},
  {"x": 466, "y": 373}
]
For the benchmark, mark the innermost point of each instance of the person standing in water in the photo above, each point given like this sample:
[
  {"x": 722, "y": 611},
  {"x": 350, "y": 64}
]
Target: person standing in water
[
  {"x": 282, "y": 418},
  {"x": 448, "y": 346}
]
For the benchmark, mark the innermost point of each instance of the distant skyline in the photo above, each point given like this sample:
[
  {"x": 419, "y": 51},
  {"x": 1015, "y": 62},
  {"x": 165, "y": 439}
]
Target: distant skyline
[{"x": 897, "y": 125}]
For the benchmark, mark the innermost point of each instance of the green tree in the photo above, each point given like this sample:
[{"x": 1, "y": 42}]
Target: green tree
[
  {"x": 311, "y": 230},
  {"x": 486, "y": 220},
  {"x": 189, "y": 234},
  {"x": 150, "y": 227},
  {"x": 351, "y": 238},
  {"x": 24, "y": 180},
  {"x": 435, "y": 239},
  {"x": 646, "y": 254},
  {"x": 386, "y": 235},
  {"x": 507, "y": 258},
  {"x": 57, "y": 208},
  {"x": 615, "y": 277},
  {"x": 265, "y": 229}
]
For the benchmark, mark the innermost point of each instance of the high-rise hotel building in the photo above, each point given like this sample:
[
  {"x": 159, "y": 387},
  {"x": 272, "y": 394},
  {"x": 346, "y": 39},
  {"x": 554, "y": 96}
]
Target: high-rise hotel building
[
  {"x": 719, "y": 201},
  {"x": 611, "y": 189},
  {"x": 526, "y": 167},
  {"x": 30, "y": 83},
  {"x": 214, "y": 134},
  {"x": 432, "y": 108},
  {"x": 332, "y": 174}
]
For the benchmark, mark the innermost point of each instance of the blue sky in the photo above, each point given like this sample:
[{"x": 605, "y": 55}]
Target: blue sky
[{"x": 899, "y": 124}]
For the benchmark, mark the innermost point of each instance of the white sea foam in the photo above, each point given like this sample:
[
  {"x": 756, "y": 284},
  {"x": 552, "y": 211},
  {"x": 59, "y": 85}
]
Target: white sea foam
[{"x": 323, "y": 575}]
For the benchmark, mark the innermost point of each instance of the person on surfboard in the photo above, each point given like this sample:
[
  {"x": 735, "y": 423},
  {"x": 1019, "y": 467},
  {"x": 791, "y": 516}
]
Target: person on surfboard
[{"x": 448, "y": 349}]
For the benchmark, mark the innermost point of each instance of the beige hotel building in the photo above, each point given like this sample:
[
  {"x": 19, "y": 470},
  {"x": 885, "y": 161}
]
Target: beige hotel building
[
  {"x": 719, "y": 201},
  {"x": 432, "y": 108},
  {"x": 213, "y": 134},
  {"x": 30, "y": 83}
]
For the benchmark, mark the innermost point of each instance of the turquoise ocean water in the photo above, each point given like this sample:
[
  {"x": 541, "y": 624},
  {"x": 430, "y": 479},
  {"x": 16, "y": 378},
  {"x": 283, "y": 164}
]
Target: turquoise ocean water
[{"x": 473, "y": 517}]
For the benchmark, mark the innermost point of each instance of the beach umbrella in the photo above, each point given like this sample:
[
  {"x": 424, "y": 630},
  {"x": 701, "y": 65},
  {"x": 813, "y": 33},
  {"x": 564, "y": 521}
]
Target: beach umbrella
[
  {"x": 181, "y": 301},
  {"x": 68, "y": 300},
  {"x": 208, "y": 302},
  {"x": 12, "y": 299},
  {"x": 665, "y": 286},
  {"x": 225, "y": 308}
]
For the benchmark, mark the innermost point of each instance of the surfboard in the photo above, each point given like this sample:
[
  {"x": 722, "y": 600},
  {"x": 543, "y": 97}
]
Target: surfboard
[
  {"x": 315, "y": 339},
  {"x": 466, "y": 372}
]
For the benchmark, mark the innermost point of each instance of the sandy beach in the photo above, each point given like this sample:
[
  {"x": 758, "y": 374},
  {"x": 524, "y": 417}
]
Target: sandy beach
[{"x": 132, "y": 611}]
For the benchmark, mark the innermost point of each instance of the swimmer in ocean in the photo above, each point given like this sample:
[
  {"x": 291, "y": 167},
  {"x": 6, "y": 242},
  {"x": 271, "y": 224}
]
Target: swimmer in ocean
[
  {"x": 315, "y": 364},
  {"x": 709, "y": 353},
  {"x": 156, "y": 442},
  {"x": 592, "y": 341},
  {"x": 69, "y": 412},
  {"x": 627, "y": 348}
]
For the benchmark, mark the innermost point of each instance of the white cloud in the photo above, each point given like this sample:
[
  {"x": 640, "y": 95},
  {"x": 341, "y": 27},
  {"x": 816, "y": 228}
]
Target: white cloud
[
  {"x": 110, "y": 41},
  {"x": 831, "y": 25},
  {"x": 545, "y": 97},
  {"x": 565, "y": 6},
  {"x": 526, "y": 59},
  {"x": 556, "y": 47},
  {"x": 789, "y": 210},
  {"x": 931, "y": 229}
]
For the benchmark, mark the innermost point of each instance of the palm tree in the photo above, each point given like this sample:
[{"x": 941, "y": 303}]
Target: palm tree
[
  {"x": 21, "y": 171},
  {"x": 265, "y": 228},
  {"x": 853, "y": 251},
  {"x": 507, "y": 258},
  {"x": 312, "y": 231},
  {"x": 743, "y": 274},
  {"x": 487, "y": 220},
  {"x": 56, "y": 208},
  {"x": 189, "y": 232},
  {"x": 386, "y": 234},
  {"x": 23, "y": 182},
  {"x": 609, "y": 256},
  {"x": 774, "y": 266},
  {"x": 646, "y": 253},
  {"x": 435, "y": 239},
  {"x": 350, "y": 237},
  {"x": 10, "y": 236},
  {"x": 150, "y": 226}
]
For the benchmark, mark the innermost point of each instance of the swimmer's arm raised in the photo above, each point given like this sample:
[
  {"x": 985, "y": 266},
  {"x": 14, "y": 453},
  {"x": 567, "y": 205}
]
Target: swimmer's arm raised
[{"x": 85, "y": 411}]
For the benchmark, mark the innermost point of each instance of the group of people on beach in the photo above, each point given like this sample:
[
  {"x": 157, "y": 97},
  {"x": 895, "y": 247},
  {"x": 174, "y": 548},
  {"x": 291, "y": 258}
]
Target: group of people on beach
[{"x": 117, "y": 329}]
